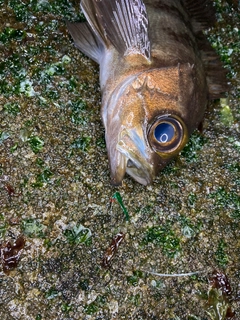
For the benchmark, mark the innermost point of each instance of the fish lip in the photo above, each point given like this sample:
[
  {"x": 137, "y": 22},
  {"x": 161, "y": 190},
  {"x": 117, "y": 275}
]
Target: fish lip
[
  {"x": 117, "y": 168},
  {"x": 118, "y": 176},
  {"x": 142, "y": 170},
  {"x": 142, "y": 174},
  {"x": 144, "y": 180}
]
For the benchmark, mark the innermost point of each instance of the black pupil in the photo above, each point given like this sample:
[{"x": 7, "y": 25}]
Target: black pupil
[{"x": 164, "y": 132}]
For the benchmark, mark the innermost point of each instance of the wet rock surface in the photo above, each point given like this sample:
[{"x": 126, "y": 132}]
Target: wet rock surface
[{"x": 55, "y": 187}]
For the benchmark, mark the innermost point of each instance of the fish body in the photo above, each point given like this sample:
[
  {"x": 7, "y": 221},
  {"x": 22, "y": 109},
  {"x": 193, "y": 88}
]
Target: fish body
[{"x": 157, "y": 74}]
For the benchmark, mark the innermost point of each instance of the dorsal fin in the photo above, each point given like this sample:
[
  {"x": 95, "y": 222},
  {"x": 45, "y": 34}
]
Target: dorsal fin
[
  {"x": 202, "y": 15},
  {"x": 86, "y": 40},
  {"x": 122, "y": 23}
]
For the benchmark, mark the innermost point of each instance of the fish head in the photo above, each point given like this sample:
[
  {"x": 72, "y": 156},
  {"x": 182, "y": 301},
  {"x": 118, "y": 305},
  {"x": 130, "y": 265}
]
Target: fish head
[{"x": 146, "y": 123}]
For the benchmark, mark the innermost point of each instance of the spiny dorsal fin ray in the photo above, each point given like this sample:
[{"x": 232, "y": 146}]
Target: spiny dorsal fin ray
[
  {"x": 86, "y": 40},
  {"x": 122, "y": 23}
]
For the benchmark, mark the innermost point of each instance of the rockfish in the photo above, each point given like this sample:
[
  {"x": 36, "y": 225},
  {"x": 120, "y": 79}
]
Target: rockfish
[{"x": 157, "y": 74}]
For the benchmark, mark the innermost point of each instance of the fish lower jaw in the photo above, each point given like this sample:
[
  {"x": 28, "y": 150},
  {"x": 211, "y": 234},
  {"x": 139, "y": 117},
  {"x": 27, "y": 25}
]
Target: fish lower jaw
[
  {"x": 141, "y": 171},
  {"x": 138, "y": 174},
  {"x": 144, "y": 180}
]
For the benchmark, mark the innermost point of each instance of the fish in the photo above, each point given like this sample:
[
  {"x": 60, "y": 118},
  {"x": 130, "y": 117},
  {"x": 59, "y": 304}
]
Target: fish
[{"x": 157, "y": 74}]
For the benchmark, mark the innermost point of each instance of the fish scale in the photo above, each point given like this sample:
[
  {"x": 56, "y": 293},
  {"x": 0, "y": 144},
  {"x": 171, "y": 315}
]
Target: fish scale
[{"x": 157, "y": 75}]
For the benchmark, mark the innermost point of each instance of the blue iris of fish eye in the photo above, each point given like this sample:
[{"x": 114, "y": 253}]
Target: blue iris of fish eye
[{"x": 164, "y": 132}]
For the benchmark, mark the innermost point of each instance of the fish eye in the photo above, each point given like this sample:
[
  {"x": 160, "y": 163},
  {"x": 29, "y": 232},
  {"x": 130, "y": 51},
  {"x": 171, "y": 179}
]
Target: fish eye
[
  {"x": 167, "y": 135},
  {"x": 164, "y": 132}
]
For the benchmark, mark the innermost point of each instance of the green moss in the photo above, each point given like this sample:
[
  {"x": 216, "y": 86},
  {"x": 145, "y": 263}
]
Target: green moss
[
  {"x": 14, "y": 65},
  {"x": 12, "y": 108},
  {"x": 78, "y": 112},
  {"x": 52, "y": 94},
  {"x": 196, "y": 142},
  {"x": 134, "y": 278},
  {"x": 225, "y": 51},
  {"x": 94, "y": 306},
  {"x": 226, "y": 200},
  {"x": 146, "y": 210},
  {"x": 188, "y": 228},
  {"x": 26, "y": 87},
  {"x": 36, "y": 143},
  {"x": 52, "y": 293},
  {"x": 20, "y": 9},
  {"x": 84, "y": 285},
  {"x": 5, "y": 87},
  {"x": 226, "y": 113},
  {"x": 234, "y": 167},
  {"x": 77, "y": 234},
  {"x": 62, "y": 8},
  {"x": 81, "y": 143},
  {"x": 42, "y": 178},
  {"x": 65, "y": 307},
  {"x": 192, "y": 198},
  {"x": 39, "y": 162},
  {"x": 33, "y": 228},
  {"x": 192, "y": 317},
  {"x": 47, "y": 243},
  {"x": 164, "y": 237},
  {"x": 235, "y": 143},
  {"x": 25, "y": 12},
  {"x": 101, "y": 143},
  {"x": 236, "y": 214},
  {"x": 14, "y": 147},
  {"x": 220, "y": 255},
  {"x": 3, "y": 229},
  {"x": 3, "y": 136},
  {"x": 91, "y": 308},
  {"x": 29, "y": 122},
  {"x": 55, "y": 69},
  {"x": 135, "y": 299},
  {"x": 170, "y": 168},
  {"x": 12, "y": 34},
  {"x": 72, "y": 84}
]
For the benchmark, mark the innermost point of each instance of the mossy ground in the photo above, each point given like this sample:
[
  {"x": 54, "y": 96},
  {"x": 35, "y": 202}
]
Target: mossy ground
[{"x": 54, "y": 186}]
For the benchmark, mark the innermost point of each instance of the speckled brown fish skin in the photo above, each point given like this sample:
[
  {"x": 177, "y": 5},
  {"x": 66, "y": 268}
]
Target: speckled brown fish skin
[{"x": 157, "y": 74}]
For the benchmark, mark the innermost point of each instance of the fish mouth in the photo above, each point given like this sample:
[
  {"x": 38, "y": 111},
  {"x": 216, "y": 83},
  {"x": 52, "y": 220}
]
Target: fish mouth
[
  {"x": 138, "y": 172},
  {"x": 131, "y": 157}
]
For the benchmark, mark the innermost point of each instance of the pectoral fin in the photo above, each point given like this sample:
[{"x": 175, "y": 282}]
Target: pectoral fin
[
  {"x": 202, "y": 15},
  {"x": 121, "y": 23},
  {"x": 86, "y": 40}
]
